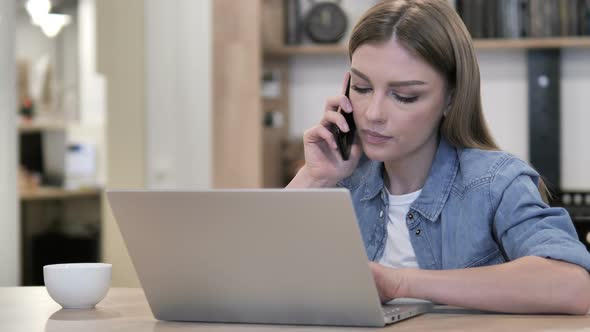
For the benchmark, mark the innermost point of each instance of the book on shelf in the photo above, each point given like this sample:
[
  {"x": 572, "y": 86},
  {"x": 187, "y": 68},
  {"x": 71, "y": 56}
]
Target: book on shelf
[
  {"x": 491, "y": 19},
  {"x": 525, "y": 18},
  {"x": 292, "y": 21}
]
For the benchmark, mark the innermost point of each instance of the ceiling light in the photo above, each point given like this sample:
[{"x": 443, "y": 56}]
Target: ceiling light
[
  {"x": 38, "y": 9},
  {"x": 51, "y": 24}
]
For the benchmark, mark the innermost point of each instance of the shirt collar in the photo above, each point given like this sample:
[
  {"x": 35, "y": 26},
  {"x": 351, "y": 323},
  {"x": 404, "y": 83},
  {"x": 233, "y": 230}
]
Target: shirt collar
[{"x": 438, "y": 185}]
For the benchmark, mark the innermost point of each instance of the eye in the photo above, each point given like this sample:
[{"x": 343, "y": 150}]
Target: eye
[
  {"x": 360, "y": 90},
  {"x": 404, "y": 100}
]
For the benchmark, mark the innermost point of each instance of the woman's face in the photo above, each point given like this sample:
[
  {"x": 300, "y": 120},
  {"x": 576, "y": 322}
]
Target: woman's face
[{"x": 398, "y": 101}]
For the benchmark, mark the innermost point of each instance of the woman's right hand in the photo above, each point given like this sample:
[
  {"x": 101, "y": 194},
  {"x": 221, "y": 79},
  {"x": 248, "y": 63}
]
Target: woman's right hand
[{"x": 324, "y": 165}]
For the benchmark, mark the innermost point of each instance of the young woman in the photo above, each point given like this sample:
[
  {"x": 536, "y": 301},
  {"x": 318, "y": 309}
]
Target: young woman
[{"x": 444, "y": 214}]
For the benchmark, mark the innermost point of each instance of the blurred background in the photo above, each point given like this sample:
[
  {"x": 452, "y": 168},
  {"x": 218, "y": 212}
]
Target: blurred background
[{"x": 184, "y": 94}]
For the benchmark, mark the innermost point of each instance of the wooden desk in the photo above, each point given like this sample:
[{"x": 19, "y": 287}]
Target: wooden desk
[{"x": 29, "y": 309}]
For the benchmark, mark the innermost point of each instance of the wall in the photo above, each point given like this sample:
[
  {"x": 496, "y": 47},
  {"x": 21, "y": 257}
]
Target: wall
[
  {"x": 62, "y": 53},
  {"x": 121, "y": 58},
  {"x": 178, "y": 93},
  {"x": 575, "y": 119},
  {"x": 504, "y": 92},
  {"x": 155, "y": 57},
  {"x": 504, "y": 97},
  {"x": 92, "y": 108},
  {"x": 9, "y": 225},
  {"x": 67, "y": 64},
  {"x": 31, "y": 43}
]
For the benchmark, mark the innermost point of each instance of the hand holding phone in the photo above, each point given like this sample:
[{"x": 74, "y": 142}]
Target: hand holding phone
[
  {"x": 344, "y": 140},
  {"x": 322, "y": 168}
]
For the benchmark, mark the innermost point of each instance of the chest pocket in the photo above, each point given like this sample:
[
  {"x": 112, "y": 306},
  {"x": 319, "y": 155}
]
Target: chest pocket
[{"x": 493, "y": 258}]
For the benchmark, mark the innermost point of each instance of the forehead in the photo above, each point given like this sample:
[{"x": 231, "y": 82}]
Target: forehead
[{"x": 391, "y": 61}]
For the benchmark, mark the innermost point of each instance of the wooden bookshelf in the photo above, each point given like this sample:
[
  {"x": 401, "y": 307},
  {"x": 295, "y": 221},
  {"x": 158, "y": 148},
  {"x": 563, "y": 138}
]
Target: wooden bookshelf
[
  {"x": 52, "y": 193},
  {"x": 483, "y": 44}
]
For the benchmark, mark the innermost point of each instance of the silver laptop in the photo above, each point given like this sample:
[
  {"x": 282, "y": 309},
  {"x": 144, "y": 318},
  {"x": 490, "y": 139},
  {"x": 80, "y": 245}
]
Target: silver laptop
[{"x": 253, "y": 256}]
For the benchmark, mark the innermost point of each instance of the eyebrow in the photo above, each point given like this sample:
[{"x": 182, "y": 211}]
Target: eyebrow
[{"x": 390, "y": 84}]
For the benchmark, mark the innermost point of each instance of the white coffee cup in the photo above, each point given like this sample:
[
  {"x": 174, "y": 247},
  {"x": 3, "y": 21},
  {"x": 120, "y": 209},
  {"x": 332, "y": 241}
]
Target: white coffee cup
[{"x": 77, "y": 285}]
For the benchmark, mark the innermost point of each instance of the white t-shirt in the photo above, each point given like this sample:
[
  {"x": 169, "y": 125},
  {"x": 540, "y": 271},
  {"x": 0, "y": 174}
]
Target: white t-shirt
[{"x": 398, "y": 248}]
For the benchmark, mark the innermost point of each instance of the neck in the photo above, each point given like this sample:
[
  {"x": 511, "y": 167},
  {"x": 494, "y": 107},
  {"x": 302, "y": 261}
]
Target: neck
[{"x": 409, "y": 174}]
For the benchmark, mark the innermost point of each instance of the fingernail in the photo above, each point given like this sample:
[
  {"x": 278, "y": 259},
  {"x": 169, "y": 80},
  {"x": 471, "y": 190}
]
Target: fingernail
[{"x": 345, "y": 126}]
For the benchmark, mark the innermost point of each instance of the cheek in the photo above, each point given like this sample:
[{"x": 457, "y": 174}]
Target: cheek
[
  {"x": 359, "y": 102},
  {"x": 418, "y": 121},
  {"x": 421, "y": 116},
  {"x": 359, "y": 106}
]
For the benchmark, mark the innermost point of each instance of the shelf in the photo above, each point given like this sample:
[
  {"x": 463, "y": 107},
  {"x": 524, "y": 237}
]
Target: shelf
[
  {"x": 581, "y": 220},
  {"x": 483, "y": 44},
  {"x": 272, "y": 104},
  {"x": 533, "y": 43},
  {"x": 31, "y": 127},
  {"x": 52, "y": 193},
  {"x": 337, "y": 49}
]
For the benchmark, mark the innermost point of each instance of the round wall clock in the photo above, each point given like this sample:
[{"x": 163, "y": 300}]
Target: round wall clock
[{"x": 326, "y": 22}]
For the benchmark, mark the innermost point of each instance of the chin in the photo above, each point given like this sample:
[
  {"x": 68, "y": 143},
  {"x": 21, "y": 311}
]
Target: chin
[{"x": 382, "y": 154}]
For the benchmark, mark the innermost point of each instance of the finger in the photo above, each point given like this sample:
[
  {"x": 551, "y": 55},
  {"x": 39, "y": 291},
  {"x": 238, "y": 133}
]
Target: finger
[
  {"x": 332, "y": 104},
  {"x": 345, "y": 86},
  {"x": 338, "y": 102},
  {"x": 337, "y": 118},
  {"x": 345, "y": 83},
  {"x": 320, "y": 133}
]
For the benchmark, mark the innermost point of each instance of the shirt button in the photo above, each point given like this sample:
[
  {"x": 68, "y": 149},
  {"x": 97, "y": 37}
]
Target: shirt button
[
  {"x": 418, "y": 231},
  {"x": 381, "y": 214},
  {"x": 410, "y": 216}
]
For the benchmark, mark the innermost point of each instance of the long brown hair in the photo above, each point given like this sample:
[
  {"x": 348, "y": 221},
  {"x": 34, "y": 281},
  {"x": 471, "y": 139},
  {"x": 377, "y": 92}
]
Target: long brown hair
[{"x": 433, "y": 30}]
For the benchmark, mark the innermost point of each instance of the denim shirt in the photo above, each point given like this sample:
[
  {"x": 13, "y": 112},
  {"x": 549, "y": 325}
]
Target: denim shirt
[{"x": 476, "y": 208}]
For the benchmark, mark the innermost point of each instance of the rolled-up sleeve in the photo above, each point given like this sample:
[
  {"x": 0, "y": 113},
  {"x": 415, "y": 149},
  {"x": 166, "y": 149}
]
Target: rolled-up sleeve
[{"x": 525, "y": 225}]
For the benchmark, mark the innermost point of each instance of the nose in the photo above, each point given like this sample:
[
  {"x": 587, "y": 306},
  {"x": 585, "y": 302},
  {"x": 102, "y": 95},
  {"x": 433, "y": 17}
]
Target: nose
[{"x": 376, "y": 111}]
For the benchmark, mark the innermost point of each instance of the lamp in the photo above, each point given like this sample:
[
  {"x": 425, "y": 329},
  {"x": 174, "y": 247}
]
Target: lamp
[{"x": 51, "y": 24}]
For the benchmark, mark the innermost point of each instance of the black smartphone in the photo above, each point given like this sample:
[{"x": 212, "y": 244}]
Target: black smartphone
[{"x": 345, "y": 140}]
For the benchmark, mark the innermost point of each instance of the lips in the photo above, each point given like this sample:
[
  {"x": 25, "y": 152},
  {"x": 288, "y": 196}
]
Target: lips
[{"x": 375, "y": 138}]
